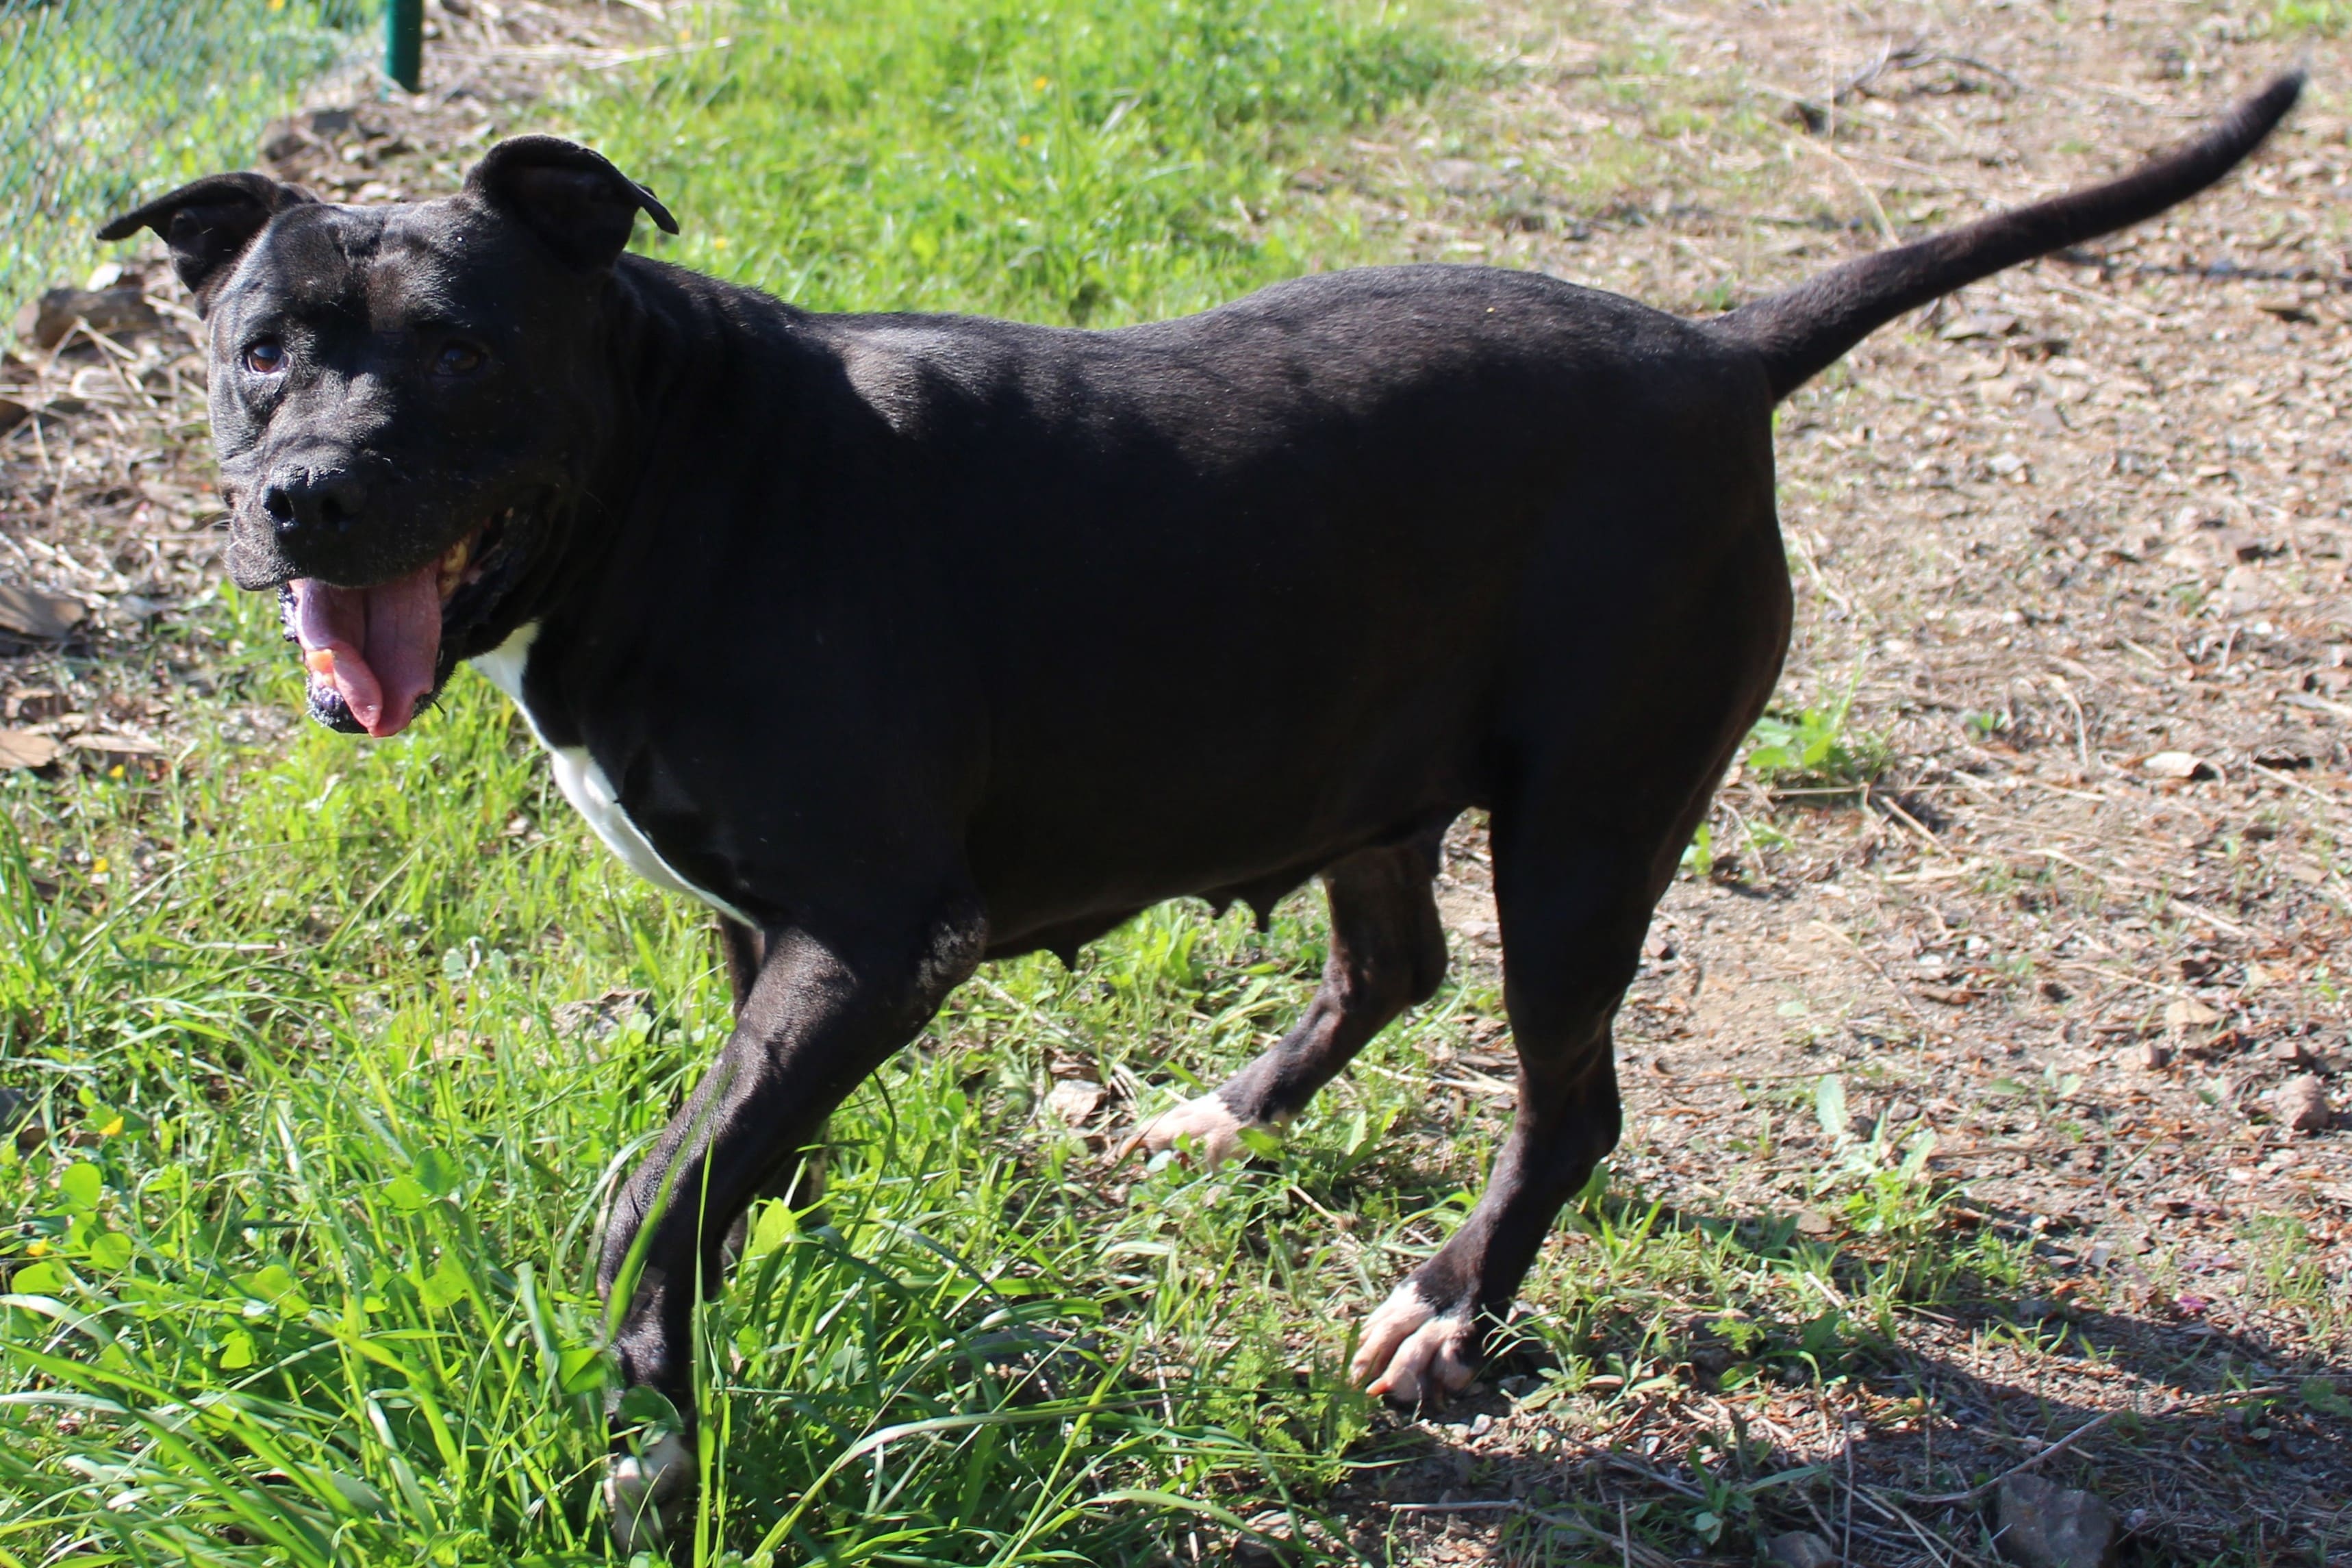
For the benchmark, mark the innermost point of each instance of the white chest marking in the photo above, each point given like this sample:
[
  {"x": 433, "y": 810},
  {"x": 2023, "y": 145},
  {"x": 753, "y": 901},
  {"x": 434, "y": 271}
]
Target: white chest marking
[{"x": 584, "y": 782}]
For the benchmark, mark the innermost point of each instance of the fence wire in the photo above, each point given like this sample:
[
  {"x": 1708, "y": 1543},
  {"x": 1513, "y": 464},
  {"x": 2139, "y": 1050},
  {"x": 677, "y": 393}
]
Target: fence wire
[{"x": 106, "y": 101}]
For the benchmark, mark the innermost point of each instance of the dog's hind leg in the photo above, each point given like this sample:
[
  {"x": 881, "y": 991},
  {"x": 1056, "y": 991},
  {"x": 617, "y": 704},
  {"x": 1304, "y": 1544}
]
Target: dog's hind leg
[
  {"x": 1572, "y": 920},
  {"x": 1388, "y": 953},
  {"x": 1581, "y": 857}
]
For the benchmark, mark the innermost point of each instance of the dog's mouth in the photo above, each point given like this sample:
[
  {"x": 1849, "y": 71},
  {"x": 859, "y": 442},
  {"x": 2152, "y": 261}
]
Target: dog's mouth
[{"x": 374, "y": 653}]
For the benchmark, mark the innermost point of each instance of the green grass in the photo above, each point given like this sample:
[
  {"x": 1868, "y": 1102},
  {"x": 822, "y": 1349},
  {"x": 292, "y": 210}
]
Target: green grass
[
  {"x": 1089, "y": 161},
  {"x": 297, "y": 1276},
  {"x": 2327, "y": 18}
]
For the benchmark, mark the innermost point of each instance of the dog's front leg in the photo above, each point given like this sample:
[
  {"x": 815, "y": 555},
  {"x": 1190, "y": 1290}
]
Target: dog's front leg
[{"x": 826, "y": 1009}]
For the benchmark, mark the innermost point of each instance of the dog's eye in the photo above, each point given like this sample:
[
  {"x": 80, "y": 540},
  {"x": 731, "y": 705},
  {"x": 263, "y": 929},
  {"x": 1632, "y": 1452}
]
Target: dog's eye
[
  {"x": 458, "y": 359},
  {"x": 266, "y": 358}
]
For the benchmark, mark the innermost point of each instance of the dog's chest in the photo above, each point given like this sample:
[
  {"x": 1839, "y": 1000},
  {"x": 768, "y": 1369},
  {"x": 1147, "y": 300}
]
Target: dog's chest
[{"x": 584, "y": 784}]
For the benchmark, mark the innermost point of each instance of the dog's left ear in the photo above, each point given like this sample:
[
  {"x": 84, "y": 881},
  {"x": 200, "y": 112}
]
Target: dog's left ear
[
  {"x": 572, "y": 199},
  {"x": 209, "y": 223}
]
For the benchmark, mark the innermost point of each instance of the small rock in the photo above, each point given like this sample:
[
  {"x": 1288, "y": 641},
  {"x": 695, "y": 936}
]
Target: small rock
[
  {"x": 1812, "y": 1221},
  {"x": 2190, "y": 1014},
  {"x": 2175, "y": 765},
  {"x": 2290, "y": 1053},
  {"x": 2045, "y": 1525},
  {"x": 1460, "y": 176},
  {"x": 2155, "y": 1056},
  {"x": 16, "y": 1117},
  {"x": 2300, "y": 1102},
  {"x": 285, "y": 141},
  {"x": 1801, "y": 1548},
  {"x": 117, "y": 312},
  {"x": 600, "y": 1019},
  {"x": 1074, "y": 1100}
]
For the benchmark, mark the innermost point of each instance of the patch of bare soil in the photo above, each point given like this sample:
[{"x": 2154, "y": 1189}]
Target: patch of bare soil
[
  {"x": 108, "y": 515},
  {"x": 2074, "y": 546}
]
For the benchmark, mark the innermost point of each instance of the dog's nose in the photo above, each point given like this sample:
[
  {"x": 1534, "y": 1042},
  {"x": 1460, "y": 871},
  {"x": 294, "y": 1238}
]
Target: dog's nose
[{"x": 304, "y": 499}]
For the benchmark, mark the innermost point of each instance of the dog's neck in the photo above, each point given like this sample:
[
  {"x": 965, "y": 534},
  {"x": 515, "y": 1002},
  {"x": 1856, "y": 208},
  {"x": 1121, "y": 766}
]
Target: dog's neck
[{"x": 654, "y": 352}]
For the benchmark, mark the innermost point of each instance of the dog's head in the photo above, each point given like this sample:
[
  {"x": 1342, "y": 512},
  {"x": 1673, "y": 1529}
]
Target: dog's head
[{"x": 406, "y": 400}]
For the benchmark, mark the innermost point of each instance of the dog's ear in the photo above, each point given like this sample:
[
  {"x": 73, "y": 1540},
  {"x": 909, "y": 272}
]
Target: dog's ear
[
  {"x": 574, "y": 200},
  {"x": 209, "y": 223}
]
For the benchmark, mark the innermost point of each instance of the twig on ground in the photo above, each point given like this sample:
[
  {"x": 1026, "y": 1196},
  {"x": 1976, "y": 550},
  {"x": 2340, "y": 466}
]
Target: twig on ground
[
  {"x": 2276, "y": 777},
  {"x": 1877, "y": 212},
  {"x": 2178, "y": 1407},
  {"x": 1901, "y": 996},
  {"x": 1630, "y": 1551}
]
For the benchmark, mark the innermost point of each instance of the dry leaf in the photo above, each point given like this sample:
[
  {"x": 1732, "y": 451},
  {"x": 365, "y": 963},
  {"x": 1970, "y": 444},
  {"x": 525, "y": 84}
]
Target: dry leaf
[
  {"x": 2175, "y": 765},
  {"x": 30, "y": 613},
  {"x": 118, "y": 745},
  {"x": 25, "y": 749},
  {"x": 1074, "y": 1100},
  {"x": 1981, "y": 324}
]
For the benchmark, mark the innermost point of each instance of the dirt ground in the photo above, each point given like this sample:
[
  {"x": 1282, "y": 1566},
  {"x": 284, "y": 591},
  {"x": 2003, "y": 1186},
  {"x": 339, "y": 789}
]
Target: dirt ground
[{"x": 2073, "y": 547}]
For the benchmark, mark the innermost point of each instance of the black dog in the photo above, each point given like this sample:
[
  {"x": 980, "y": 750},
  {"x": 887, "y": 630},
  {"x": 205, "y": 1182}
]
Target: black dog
[{"x": 907, "y": 642}]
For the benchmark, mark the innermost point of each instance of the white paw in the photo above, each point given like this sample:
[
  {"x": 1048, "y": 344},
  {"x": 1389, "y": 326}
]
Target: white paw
[
  {"x": 1411, "y": 1353},
  {"x": 638, "y": 1490},
  {"x": 1208, "y": 1123}
]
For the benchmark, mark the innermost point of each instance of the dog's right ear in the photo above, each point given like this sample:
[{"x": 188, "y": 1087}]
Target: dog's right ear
[
  {"x": 575, "y": 200},
  {"x": 209, "y": 223}
]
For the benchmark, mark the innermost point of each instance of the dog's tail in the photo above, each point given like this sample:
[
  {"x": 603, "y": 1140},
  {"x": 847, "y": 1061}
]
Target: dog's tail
[{"x": 1801, "y": 331}]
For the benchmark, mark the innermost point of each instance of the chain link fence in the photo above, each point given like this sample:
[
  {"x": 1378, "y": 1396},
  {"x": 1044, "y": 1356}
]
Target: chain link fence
[{"x": 104, "y": 101}]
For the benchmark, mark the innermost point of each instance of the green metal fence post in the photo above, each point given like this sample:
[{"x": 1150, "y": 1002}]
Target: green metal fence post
[{"x": 403, "y": 42}]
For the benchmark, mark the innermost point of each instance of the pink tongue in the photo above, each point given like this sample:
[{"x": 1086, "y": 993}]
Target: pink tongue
[{"x": 377, "y": 646}]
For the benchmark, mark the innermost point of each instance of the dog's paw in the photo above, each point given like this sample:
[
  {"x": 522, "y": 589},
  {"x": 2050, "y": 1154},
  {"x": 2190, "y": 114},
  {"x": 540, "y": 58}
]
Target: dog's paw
[
  {"x": 1207, "y": 1124},
  {"x": 643, "y": 1492},
  {"x": 1413, "y": 1351}
]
